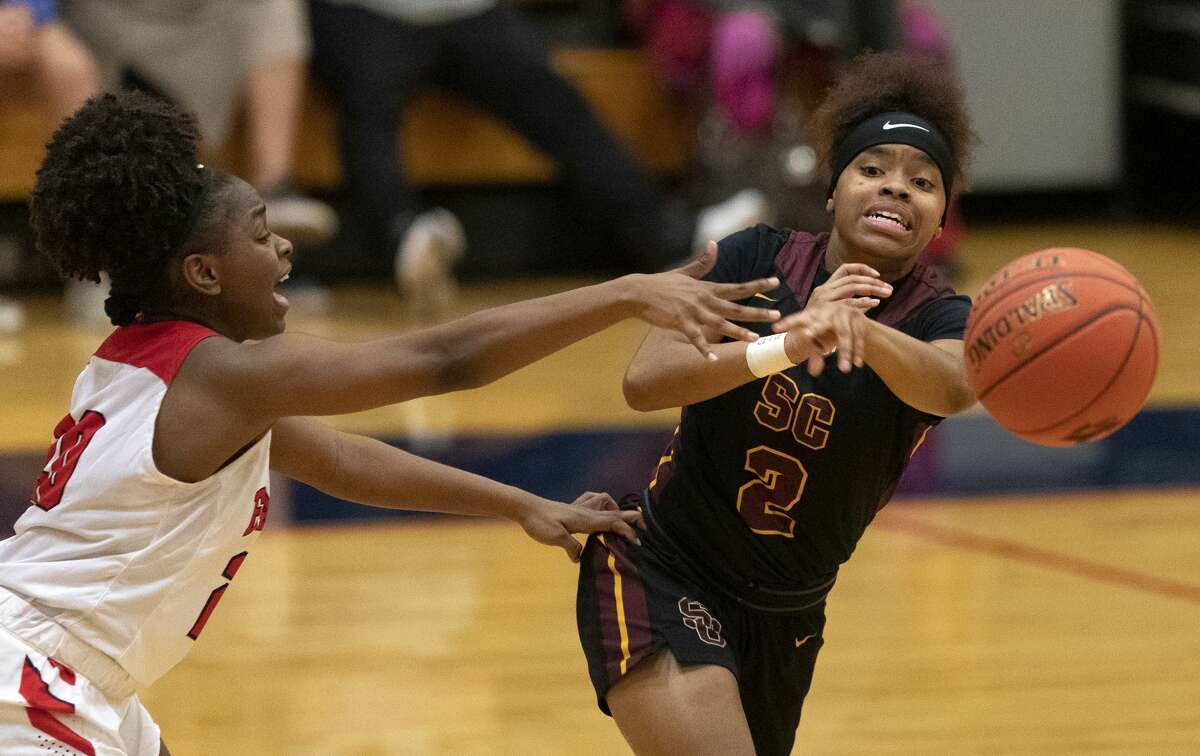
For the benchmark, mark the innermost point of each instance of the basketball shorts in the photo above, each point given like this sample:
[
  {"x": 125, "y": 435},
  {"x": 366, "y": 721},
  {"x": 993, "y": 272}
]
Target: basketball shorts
[
  {"x": 47, "y": 708},
  {"x": 634, "y": 601}
]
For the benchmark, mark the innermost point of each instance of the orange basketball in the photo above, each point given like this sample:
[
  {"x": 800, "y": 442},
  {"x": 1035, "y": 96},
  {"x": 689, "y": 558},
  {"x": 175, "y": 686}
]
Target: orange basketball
[{"x": 1062, "y": 346}]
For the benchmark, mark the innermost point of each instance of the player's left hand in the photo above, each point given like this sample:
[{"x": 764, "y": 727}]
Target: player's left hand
[
  {"x": 552, "y": 522},
  {"x": 821, "y": 329}
]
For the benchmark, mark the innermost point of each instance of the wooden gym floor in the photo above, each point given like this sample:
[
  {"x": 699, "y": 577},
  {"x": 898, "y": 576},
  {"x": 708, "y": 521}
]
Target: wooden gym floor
[{"x": 1051, "y": 623}]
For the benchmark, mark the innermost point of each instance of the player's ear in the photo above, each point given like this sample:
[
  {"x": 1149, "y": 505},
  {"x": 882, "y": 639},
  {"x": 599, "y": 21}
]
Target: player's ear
[
  {"x": 829, "y": 205},
  {"x": 201, "y": 274}
]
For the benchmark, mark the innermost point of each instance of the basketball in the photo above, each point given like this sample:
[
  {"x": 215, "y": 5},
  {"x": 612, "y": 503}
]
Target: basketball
[{"x": 1062, "y": 346}]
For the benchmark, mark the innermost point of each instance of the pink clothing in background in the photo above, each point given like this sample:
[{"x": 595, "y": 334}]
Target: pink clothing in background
[{"x": 745, "y": 49}]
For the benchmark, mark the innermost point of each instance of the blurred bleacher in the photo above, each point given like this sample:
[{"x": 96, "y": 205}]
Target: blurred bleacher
[{"x": 464, "y": 157}]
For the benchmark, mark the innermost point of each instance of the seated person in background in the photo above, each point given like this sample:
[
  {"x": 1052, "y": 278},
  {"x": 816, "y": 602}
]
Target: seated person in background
[
  {"x": 34, "y": 42},
  {"x": 214, "y": 57},
  {"x": 376, "y": 55},
  {"x": 38, "y": 52}
]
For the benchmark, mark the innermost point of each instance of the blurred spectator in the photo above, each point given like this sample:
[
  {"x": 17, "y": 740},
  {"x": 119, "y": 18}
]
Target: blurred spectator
[
  {"x": 210, "y": 57},
  {"x": 924, "y": 37},
  {"x": 749, "y": 63},
  {"x": 37, "y": 48},
  {"x": 741, "y": 62},
  {"x": 376, "y": 56}
]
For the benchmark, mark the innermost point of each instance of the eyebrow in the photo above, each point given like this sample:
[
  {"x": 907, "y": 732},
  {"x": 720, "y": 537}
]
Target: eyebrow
[
  {"x": 258, "y": 212},
  {"x": 886, "y": 151}
]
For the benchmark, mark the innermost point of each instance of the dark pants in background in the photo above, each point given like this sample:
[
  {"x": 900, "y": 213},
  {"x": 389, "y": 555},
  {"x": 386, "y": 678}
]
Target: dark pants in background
[{"x": 375, "y": 64}]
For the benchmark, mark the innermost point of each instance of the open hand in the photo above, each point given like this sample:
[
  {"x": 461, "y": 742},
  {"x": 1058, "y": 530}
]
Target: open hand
[
  {"x": 552, "y": 522},
  {"x": 852, "y": 284},
  {"x": 821, "y": 329},
  {"x": 679, "y": 300}
]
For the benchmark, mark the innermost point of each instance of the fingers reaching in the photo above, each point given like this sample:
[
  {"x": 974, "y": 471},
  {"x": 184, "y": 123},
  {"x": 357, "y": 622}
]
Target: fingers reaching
[
  {"x": 595, "y": 501},
  {"x": 607, "y": 522},
  {"x": 570, "y": 545},
  {"x": 703, "y": 263},
  {"x": 816, "y": 365},
  {"x": 854, "y": 269},
  {"x": 861, "y": 303},
  {"x": 696, "y": 337},
  {"x": 635, "y": 518},
  {"x": 735, "y": 332},
  {"x": 744, "y": 313},
  {"x": 788, "y": 323},
  {"x": 845, "y": 348},
  {"x": 737, "y": 291},
  {"x": 824, "y": 330},
  {"x": 853, "y": 286}
]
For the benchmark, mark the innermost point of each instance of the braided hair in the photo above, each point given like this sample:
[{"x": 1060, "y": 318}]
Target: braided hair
[
  {"x": 120, "y": 192},
  {"x": 876, "y": 83}
]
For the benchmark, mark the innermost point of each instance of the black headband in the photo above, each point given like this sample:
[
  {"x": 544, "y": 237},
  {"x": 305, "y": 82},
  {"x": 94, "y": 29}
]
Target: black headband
[{"x": 894, "y": 128}]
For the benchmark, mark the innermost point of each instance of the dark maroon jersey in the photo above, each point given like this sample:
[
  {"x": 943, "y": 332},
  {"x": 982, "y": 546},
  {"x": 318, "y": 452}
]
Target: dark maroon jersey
[{"x": 773, "y": 483}]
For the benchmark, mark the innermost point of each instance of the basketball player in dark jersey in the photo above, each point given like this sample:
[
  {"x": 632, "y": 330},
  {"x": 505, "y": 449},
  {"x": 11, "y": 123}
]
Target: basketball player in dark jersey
[{"x": 702, "y": 640}]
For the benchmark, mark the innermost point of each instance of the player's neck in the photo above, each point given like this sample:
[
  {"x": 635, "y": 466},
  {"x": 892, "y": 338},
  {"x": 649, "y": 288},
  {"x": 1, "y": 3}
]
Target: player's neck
[
  {"x": 838, "y": 253},
  {"x": 162, "y": 314}
]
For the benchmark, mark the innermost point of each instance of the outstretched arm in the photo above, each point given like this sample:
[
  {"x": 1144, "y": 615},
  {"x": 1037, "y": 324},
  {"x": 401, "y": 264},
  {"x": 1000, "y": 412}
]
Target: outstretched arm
[
  {"x": 366, "y": 471},
  {"x": 227, "y": 394},
  {"x": 665, "y": 372},
  {"x": 299, "y": 375},
  {"x": 929, "y": 376}
]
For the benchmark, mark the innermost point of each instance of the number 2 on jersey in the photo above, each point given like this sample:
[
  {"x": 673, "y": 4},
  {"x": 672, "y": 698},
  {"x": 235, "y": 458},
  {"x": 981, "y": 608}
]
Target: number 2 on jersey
[{"x": 766, "y": 501}]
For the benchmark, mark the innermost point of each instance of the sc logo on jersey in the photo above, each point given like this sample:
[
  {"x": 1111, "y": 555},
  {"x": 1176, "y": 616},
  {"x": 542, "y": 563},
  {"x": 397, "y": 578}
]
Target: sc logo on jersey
[{"x": 697, "y": 617}]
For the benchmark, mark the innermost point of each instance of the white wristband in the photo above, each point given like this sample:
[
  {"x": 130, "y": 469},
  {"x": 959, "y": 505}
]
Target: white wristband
[{"x": 767, "y": 356}]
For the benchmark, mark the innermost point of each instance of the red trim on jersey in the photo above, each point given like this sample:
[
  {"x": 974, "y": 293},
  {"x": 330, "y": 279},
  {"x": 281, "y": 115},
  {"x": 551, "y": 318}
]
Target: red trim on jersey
[
  {"x": 235, "y": 564},
  {"x": 66, "y": 673},
  {"x": 37, "y": 693},
  {"x": 161, "y": 348},
  {"x": 213, "y": 599},
  {"x": 42, "y": 702}
]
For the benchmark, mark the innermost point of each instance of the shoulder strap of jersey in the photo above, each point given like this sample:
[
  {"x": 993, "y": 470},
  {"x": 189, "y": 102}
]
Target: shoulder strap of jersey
[
  {"x": 921, "y": 286},
  {"x": 160, "y": 347},
  {"x": 798, "y": 262}
]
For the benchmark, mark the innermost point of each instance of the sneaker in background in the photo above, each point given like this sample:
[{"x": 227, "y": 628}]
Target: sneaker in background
[
  {"x": 12, "y": 316},
  {"x": 743, "y": 210},
  {"x": 83, "y": 303},
  {"x": 300, "y": 219},
  {"x": 424, "y": 263}
]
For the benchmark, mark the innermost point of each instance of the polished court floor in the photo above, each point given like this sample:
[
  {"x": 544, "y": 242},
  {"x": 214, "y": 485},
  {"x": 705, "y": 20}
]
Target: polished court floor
[{"x": 1004, "y": 622}]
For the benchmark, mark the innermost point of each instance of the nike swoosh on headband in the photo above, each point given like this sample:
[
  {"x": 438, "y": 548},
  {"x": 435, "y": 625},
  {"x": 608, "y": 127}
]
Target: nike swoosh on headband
[{"x": 888, "y": 126}]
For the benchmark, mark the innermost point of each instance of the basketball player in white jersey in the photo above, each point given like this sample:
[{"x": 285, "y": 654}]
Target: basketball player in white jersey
[{"x": 156, "y": 485}]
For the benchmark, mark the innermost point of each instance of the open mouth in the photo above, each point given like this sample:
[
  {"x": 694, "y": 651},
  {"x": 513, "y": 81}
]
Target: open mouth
[
  {"x": 886, "y": 217},
  {"x": 280, "y": 299}
]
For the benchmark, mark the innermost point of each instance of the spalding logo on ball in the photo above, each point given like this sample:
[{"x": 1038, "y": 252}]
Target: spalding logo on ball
[{"x": 1062, "y": 346}]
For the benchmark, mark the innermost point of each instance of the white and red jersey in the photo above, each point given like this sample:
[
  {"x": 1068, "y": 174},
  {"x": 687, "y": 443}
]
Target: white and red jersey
[{"x": 123, "y": 558}]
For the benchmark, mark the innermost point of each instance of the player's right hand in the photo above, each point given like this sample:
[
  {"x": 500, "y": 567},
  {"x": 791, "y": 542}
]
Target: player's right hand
[
  {"x": 820, "y": 330},
  {"x": 680, "y": 301},
  {"x": 853, "y": 284}
]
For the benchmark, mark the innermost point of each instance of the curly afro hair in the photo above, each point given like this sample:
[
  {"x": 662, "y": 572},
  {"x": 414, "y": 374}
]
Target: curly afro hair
[
  {"x": 876, "y": 83},
  {"x": 120, "y": 192}
]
